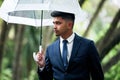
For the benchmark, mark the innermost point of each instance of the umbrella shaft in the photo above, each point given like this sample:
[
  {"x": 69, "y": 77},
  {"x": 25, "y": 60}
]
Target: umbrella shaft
[{"x": 41, "y": 27}]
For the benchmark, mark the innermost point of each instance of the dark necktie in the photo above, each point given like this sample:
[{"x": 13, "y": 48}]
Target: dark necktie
[{"x": 65, "y": 51}]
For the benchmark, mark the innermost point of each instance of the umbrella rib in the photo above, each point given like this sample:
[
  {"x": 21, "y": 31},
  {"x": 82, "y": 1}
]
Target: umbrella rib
[{"x": 34, "y": 17}]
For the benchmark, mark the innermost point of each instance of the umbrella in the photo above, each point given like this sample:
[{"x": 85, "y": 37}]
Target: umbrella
[
  {"x": 37, "y": 12},
  {"x": 19, "y": 11}
]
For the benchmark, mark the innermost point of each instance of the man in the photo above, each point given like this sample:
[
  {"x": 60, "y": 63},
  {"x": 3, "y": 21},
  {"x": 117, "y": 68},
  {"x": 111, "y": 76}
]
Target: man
[{"x": 74, "y": 59}]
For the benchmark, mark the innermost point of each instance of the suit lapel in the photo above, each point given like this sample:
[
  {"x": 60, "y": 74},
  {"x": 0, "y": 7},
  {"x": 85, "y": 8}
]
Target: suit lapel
[
  {"x": 58, "y": 54},
  {"x": 76, "y": 45}
]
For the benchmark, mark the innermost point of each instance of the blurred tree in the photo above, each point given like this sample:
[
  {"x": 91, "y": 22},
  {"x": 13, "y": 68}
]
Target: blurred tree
[
  {"x": 111, "y": 38},
  {"x": 111, "y": 62},
  {"x": 3, "y": 35},
  {"x": 94, "y": 17},
  {"x": 18, "y": 47}
]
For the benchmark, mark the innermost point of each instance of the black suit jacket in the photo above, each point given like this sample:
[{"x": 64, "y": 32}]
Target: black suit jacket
[{"x": 83, "y": 64}]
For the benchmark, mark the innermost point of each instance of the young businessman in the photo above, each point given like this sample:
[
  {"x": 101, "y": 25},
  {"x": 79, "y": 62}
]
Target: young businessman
[{"x": 71, "y": 57}]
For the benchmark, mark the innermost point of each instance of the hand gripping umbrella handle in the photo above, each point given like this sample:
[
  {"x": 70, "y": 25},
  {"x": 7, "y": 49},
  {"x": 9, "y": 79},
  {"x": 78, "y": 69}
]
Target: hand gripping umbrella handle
[{"x": 34, "y": 53}]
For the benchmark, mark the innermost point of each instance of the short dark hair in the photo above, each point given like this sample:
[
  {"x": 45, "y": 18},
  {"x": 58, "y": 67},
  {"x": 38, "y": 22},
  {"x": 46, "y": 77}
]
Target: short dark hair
[{"x": 64, "y": 15}]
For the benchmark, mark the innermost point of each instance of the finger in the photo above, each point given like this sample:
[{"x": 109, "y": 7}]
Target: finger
[{"x": 40, "y": 52}]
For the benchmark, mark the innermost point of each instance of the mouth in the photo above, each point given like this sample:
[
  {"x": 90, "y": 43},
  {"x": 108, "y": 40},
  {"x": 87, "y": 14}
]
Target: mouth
[{"x": 55, "y": 31}]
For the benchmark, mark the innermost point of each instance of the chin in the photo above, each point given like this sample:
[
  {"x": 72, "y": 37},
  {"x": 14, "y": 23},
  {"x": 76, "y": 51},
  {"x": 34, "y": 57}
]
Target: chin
[{"x": 57, "y": 34}]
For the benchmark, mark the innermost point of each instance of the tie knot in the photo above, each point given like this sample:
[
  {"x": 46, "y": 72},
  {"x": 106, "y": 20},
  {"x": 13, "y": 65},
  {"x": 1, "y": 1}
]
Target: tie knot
[{"x": 65, "y": 41}]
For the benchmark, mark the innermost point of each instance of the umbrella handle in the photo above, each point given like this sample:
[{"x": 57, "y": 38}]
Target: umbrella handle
[
  {"x": 34, "y": 53},
  {"x": 35, "y": 56},
  {"x": 40, "y": 48}
]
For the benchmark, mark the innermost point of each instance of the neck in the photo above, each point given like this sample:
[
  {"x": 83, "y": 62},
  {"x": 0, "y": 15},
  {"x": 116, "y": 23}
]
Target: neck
[{"x": 65, "y": 36}]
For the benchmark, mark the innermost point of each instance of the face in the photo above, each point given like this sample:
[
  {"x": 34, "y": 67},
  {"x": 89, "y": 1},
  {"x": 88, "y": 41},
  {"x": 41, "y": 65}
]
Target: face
[{"x": 62, "y": 27}]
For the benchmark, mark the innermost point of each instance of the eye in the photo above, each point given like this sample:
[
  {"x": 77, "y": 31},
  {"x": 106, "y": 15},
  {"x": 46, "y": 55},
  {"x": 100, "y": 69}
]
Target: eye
[{"x": 57, "y": 23}]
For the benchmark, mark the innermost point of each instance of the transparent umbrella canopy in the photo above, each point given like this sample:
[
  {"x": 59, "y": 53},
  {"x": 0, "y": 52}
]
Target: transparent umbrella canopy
[
  {"x": 37, "y": 12},
  {"x": 31, "y": 12}
]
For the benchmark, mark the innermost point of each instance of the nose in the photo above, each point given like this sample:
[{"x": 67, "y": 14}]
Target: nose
[{"x": 55, "y": 26}]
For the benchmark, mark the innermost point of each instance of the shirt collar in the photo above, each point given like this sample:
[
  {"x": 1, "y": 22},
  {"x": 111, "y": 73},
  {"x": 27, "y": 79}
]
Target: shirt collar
[{"x": 69, "y": 39}]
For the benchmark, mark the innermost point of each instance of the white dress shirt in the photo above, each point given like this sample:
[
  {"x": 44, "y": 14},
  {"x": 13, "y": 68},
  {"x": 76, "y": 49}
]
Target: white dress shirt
[{"x": 69, "y": 45}]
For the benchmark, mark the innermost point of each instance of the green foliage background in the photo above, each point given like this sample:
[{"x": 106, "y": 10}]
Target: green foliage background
[{"x": 31, "y": 42}]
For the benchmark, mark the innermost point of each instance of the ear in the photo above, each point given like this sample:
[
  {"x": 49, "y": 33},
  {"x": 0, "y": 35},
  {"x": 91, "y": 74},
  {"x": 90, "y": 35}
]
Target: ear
[{"x": 70, "y": 25}]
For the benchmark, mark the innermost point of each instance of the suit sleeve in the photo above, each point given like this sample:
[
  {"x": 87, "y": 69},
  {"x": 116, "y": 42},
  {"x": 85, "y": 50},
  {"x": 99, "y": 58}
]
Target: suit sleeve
[
  {"x": 94, "y": 64},
  {"x": 46, "y": 73}
]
